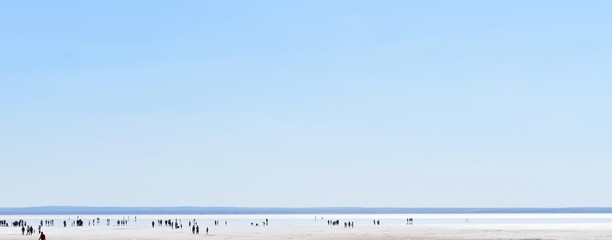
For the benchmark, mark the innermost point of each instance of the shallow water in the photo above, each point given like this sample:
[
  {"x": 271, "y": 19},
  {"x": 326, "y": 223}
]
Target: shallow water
[{"x": 311, "y": 219}]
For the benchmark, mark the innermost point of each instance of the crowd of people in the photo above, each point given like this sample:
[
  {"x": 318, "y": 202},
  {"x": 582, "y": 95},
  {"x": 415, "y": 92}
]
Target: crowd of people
[
  {"x": 19, "y": 223},
  {"x": 337, "y": 223},
  {"x": 333, "y": 223},
  {"x": 47, "y": 223},
  {"x": 27, "y": 230},
  {"x": 176, "y": 224},
  {"x": 173, "y": 224},
  {"x": 30, "y": 230}
]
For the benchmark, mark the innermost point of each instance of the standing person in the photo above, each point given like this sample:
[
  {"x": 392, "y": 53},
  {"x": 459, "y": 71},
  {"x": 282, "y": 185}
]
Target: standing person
[
  {"x": 193, "y": 229},
  {"x": 206, "y": 230},
  {"x": 42, "y": 236},
  {"x": 22, "y": 230},
  {"x": 198, "y": 229}
]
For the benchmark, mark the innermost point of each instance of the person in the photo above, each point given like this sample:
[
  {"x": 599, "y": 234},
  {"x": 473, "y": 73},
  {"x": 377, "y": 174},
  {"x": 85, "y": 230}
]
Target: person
[
  {"x": 197, "y": 229},
  {"x": 206, "y": 230},
  {"x": 22, "y": 230},
  {"x": 42, "y": 236}
]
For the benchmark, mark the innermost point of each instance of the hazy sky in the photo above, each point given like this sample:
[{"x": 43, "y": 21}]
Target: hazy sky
[{"x": 306, "y": 103}]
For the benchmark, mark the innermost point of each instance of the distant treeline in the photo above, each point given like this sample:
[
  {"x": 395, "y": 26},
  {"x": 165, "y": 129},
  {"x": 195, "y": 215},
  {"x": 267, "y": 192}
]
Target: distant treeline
[{"x": 51, "y": 210}]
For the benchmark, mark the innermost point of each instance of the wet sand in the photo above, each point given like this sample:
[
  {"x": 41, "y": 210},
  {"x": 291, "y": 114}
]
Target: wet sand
[{"x": 433, "y": 231}]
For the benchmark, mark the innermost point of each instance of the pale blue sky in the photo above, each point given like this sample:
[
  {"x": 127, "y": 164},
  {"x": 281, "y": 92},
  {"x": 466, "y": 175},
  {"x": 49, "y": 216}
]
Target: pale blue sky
[{"x": 306, "y": 103}]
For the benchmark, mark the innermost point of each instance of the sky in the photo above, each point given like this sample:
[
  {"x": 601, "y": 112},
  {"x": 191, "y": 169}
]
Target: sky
[{"x": 306, "y": 103}]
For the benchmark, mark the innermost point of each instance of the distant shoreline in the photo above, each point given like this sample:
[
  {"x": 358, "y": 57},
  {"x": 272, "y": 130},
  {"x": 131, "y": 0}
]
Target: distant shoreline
[{"x": 49, "y": 210}]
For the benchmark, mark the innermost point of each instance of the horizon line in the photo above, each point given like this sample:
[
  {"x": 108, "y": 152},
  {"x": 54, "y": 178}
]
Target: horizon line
[
  {"x": 297, "y": 207},
  {"x": 90, "y": 210}
]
